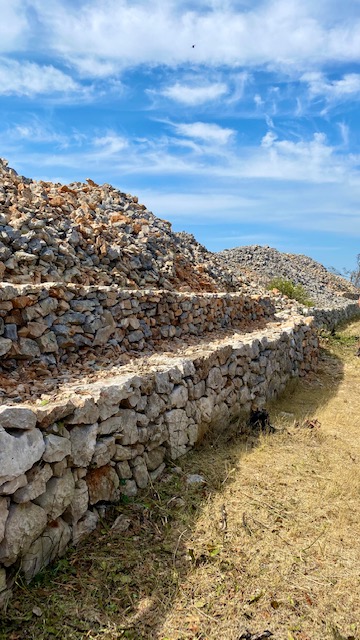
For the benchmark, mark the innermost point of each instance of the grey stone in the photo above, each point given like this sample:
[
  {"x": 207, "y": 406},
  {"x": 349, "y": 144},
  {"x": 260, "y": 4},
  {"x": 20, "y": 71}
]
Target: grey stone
[
  {"x": 5, "y": 346},
  {"x": 154, "y": 458},
  {"x": 104, "y": 450},
  {"x": 25, "y": 523},
  {"x": 28, "y": 348},
  {"x": 58, "y": 495},
  {"x": 19, "y": 452},
  {"x": 162, "y": 382},
  {"x": 177, "y": 422},
  {"x": 86, "y": 413},
  {"x": 10, "y": 487},
  {"x": 10, "y": 332},
  {"x": 140, "y": 472},
  {"x": 154, "y": 475},
  {"x": 85, "y": 526},
  {"x": 47, "y": 343},
  {"x": 83, "y": 441},
  {"x": 110, "y": 426},
  {"x": 123, "y": 470},
  {"x": 79, "y": 504},
  {"x": 215, "y": 379},
  {"x": 155, "y": 406},
  {"x": 4, "y": 512},
  {"x": 178, "y": 397},
  {"x": 122, "y": 453},
  {"x": 56, "y": 448},
  {"x": 17, "y": 418},
  {"x": 51, "y": 544},
  {"x": 103, "y": 334},
  {"x": 129, "y": 488},
  {"x": 36, "y": 479},
  {"x": 128, "y": 426}
]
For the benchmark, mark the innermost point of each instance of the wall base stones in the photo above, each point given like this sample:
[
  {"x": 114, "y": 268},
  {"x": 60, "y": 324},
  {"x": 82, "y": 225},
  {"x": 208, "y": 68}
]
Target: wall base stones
[{"x": 112, "y": 436}]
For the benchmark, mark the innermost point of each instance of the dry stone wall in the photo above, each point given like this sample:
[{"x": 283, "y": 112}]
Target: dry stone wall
[
  {"x": 49, "y": 320},
  {"x": 60, "y": 462}
]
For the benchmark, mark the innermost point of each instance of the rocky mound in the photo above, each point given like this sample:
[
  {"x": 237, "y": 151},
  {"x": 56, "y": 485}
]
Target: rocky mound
[
  {"x": 262, "y": 264},
  {"x": 91, "y": 234}
]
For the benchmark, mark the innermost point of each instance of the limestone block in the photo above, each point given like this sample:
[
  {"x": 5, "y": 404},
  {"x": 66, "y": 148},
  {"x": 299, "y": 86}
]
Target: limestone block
[
  {"x": 123, "y": 470},
  {"x": 162, "y": 382},
  {"x": 59, "y": 468},
  {"x": 5, "y": 346},
  {"x": 155, "y": 406},
  {"x": 154, "y": 458},
  {"x": 122, "y": 453},
  {"x": 215, "y": 379},
  {"x": 177, "y": 422},
  {"x": 85, "y": 526},
  {"x": 17, "y": 418},
  {"x": 8, "y": 488},
  {"x": 157, "y": 472},
  {"x": 37, "y": 479},
  {"x": 58, "y": 495},
  {"x": 48, "y": 343},
  {"x": 56, "y": 448},
  {"x": 19, "y": 452},
  {"x": 24, "y": 524},
  {"x": 104, "y": 450},
  {"x": 103, "y": 334},
  {"x": 103, "y": 484},
  {"x": 83, "y": 441},
  {"x": 4, "y": 512},
  {"x": 128, "y": 426},
  {"x": 129, "y": 488},
  {"x": 86, "y": 413},
  {"x": 140, "y": 472},
  {"x": 51, "y": 544},
  {"x": 178, "y": 397},
  {"x": 79, "y": 504},
  {"x": 106, "y": 427}
]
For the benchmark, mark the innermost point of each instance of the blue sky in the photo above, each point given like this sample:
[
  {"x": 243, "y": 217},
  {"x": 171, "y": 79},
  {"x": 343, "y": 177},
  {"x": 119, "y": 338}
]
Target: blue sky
[{"x": 252, "y": 136}]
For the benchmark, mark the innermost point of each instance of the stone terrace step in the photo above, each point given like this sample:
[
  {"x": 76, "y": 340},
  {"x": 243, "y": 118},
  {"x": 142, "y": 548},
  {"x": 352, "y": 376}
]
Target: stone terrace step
[{"x": 49, "y": 321}]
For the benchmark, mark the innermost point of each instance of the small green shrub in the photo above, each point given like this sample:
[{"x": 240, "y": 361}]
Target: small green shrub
[{"x": 291, "y": 290}]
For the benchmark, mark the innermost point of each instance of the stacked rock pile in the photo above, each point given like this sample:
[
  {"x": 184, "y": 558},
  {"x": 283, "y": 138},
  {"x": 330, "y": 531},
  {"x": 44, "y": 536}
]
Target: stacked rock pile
[
  {"x": 262, "y": 264},
  {"x": 95, "y": 234}
]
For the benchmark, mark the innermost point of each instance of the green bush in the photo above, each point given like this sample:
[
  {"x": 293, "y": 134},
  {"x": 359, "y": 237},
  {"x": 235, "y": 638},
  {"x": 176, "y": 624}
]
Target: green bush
[{"x": 291, "y": 290}]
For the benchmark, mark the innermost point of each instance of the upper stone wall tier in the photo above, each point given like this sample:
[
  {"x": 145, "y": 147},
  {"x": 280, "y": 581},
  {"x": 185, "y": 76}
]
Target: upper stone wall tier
[{"x": 50, "y": 320}]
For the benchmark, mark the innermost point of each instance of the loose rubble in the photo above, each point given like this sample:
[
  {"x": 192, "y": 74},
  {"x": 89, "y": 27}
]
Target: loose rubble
[{"x": 263, "y": 264}]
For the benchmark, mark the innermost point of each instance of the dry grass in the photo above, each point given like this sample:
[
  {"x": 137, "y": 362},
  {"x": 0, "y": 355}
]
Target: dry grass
[{"x": 271, "y": 542}]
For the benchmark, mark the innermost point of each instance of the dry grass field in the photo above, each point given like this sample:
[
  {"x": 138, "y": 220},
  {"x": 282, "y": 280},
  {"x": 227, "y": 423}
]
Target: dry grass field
[{"x": 267, "y": 547}]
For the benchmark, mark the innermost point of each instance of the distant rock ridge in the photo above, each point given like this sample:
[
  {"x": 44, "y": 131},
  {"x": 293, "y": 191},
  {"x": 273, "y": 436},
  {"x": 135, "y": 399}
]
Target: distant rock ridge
[{"x": 263, "y": 263}]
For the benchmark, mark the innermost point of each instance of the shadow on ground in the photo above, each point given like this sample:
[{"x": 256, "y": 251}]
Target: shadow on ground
[{"x": 122, "y": 582}]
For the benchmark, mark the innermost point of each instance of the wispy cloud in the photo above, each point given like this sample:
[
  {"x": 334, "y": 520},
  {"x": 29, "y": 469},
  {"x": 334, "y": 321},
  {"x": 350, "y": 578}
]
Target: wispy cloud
[
  {"x": 207, "y": 131},
  {"x": 194, "y": 95},
  {"x": 30, "y": 79},
  {"x": 345, "y": 88}
]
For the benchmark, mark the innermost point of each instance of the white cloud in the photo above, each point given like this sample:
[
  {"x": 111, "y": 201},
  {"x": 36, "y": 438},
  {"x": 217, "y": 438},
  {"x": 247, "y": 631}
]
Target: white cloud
[
  {"x": 110, "y": 144},
  {"x": 286, "y": 33},
  {"x": 209, "y": 132},
  {"x": 195, "y": 95},
  {"x": 345, "y": 88},
  {"x": 14, "y": 27},
  {"x": 29, "y": 79}
]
